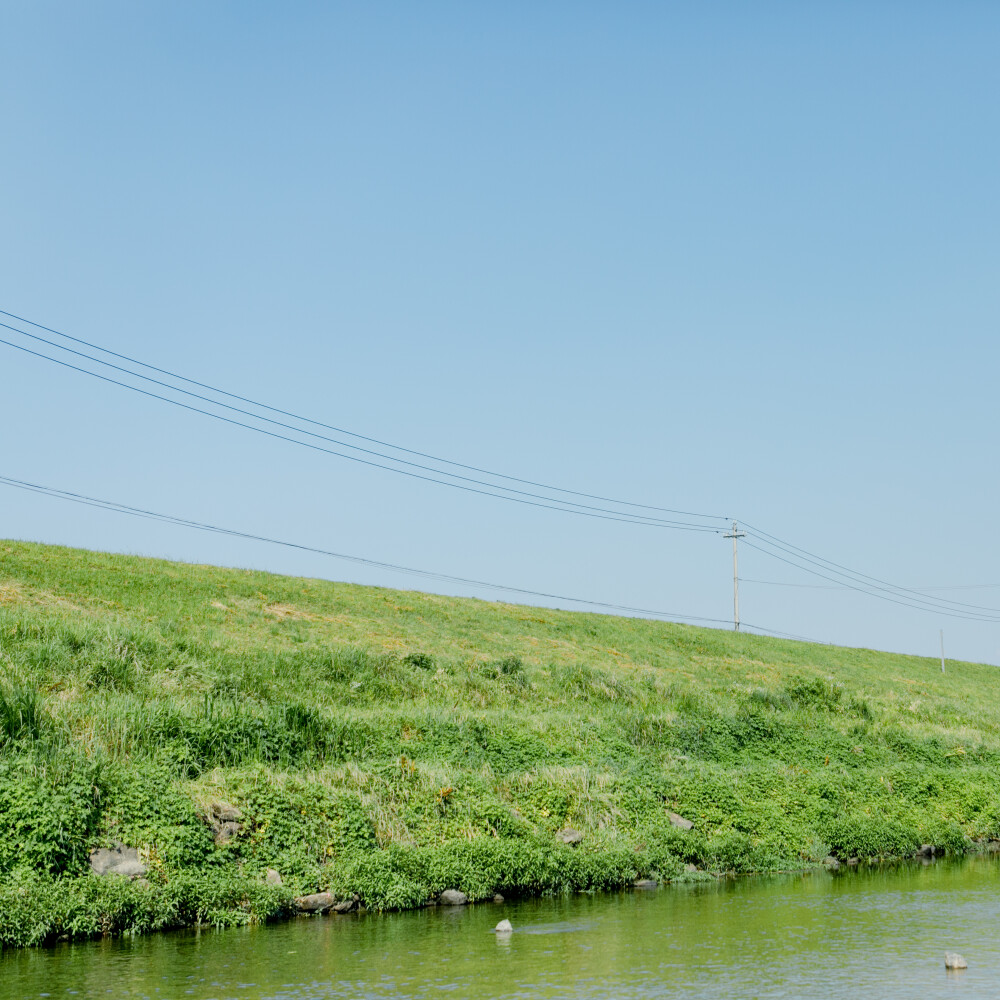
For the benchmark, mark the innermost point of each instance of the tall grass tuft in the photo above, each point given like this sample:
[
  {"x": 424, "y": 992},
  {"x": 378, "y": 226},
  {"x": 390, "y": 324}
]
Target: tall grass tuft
[{"x": 22, "y": 715}]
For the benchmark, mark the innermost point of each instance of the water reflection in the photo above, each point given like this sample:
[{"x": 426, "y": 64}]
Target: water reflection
[{"x": 880, "y": 933}]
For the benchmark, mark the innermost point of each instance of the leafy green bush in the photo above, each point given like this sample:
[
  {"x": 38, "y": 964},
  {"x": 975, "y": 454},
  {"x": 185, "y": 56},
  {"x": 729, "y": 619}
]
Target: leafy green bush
[
  {"x": 423, "y": 661},
  {"x": 815, "y": 693},
  {"x": 38, "y": 909},
  {"x": 741, "y": 853},
  {"x": 863, "y": 836},
  {"x": 397, "y": 877},
  {"x": 946, "y": 835},
  {"x": 144, "y": 807},
  {"x": 49, "y": 811}
]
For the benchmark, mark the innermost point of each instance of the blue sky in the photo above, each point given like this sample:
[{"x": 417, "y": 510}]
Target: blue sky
[{"x": 738, "y": 259}]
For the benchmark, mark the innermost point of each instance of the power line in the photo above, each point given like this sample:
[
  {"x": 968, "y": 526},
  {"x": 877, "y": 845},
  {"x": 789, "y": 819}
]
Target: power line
[
  {"x": 555, "y": 505},
  {"x": 876, "y": 593},
  {"x": 119, "y": 508},
  {"x": 796, "y": 556},
  {"x": 787, "y": 635},
  {"x": 884, "y": 593},
  {"x": 313, "y": 434},
  {"x": 870, "y": 589},
  {"x": 840, "y": 586},
  {"x": 316, "y": 423},
  {"x": 863, "y": 578}
]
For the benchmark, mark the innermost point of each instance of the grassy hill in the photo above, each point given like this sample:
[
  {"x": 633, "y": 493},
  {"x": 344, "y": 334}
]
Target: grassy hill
[{"x": 394, "y": 744}]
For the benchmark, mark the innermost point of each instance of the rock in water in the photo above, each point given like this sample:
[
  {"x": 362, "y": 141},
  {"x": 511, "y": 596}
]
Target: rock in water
[
  {"x": 952, "y": 960},
  {"x": 504, "y": 927},
  {"x": 453, "y": 897},
  {"x": 318, "y": 902},
  {"x": 117, "y": 860}
]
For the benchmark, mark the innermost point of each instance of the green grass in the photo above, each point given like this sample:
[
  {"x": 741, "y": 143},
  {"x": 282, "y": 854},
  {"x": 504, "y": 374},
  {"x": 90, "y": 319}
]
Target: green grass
[{"x": 393, "y": 744}]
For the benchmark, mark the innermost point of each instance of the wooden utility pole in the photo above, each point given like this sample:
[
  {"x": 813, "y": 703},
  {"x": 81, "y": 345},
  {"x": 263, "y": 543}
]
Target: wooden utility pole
[{"x": 734, "y": 535}]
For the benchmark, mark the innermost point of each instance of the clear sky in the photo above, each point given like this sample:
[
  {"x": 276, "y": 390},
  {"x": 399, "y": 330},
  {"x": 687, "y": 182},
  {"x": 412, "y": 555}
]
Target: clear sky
[{"x": 731, "y": 258}]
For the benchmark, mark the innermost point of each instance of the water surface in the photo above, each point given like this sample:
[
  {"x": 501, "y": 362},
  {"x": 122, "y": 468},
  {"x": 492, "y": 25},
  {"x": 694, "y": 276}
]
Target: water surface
[{"x": 865, "y": 933}]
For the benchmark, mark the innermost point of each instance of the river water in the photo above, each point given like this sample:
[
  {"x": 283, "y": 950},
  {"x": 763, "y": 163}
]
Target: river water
[{"x": 865, "y": 933}]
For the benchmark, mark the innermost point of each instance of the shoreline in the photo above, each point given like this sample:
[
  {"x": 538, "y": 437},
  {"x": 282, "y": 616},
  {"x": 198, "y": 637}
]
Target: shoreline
[
  {"x": 208, "y": 726},
  {"x": 278, "y": 906}
]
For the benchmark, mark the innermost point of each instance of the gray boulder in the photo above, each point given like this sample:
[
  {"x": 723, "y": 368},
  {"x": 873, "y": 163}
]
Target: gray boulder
[
  {"x": 225, "y": 813},
  {"x": 317, "y": 902},
  {"x": 272, "y": 877},
  {"x": 453, "y": 897},
  {"x": 679, "y": 821},
  {"x": 347, "y": 905},
  {"x": 504, "y": 927},
  {"x": 690, "y": 869},
  {"x": 225, "y": 832},
  {"x": 224, "y": 819},
  {"x": 952, "y": 960},
  {"x": 117, "y": 860},
  {"x": 570, "y": 836}
]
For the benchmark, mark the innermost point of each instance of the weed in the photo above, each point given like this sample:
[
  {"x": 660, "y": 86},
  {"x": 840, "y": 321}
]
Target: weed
[
  {"x": 130, "y": 704},
  {"x": 22, "y": 715}
]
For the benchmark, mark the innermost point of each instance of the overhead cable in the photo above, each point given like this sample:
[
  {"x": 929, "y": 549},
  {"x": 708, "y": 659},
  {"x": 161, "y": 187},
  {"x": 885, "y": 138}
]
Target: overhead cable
[
  {"x": 880, "y": 593},
  {"x": 863, "y": 579},
  {"x": 768, "y": 544},
  {"x": 115, "y": 507},
  {"x": 786, "y": 635},
  {"x": 317, "y": 423},
  {"x": 840, "y": 586},
  {"x": 558, "y": 505}
]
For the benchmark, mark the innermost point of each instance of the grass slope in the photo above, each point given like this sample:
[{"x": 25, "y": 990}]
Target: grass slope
[{"x": 393, "y": 744}]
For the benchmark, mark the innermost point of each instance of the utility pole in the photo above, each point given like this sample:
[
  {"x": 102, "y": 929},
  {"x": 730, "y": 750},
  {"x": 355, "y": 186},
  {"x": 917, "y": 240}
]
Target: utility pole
[
  {"x": 942, "y": 651},
  {"x": 734, "y": 535}
]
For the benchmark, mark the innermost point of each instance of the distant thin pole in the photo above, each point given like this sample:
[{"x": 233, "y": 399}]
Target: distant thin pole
[
  {"x": 734, "y": 535},
  {"x": 942, "y": 651}
]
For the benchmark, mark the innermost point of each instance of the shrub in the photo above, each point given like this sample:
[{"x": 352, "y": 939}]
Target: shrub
[
  {"x": 144, "y": 807},
  {"x": 947, "y": 835},
  {"x": 38, "y": 909},
  {"x": 509, "y": 671},
  {"x": 424, "y": 661},
  {"x": 863, "y": 836},
  {"x": 815, "y": 693},
  {"x": 49, "y": 810}
]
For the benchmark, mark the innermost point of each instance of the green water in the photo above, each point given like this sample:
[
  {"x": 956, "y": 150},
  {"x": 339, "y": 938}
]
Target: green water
[{"x": 876, "y": 933}]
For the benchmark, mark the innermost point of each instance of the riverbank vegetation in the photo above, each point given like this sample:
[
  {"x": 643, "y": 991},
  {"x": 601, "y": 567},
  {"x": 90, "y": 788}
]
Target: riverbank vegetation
[{"x": 388, "y": 745}]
